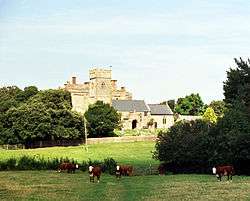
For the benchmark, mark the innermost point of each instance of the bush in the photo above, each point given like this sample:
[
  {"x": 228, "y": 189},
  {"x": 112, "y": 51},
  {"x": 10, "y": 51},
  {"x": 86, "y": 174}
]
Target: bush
[
  {"x": 184, "y": 147},
  {"x": 39, "y": 163},
  {"x": 110, "y": 165},
  {"x": 11, "y": 164}
]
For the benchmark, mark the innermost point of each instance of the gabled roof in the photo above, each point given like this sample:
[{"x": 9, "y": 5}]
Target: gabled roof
[
  {"x": 157, "y": 109},
  {"x": 130, "y": 105}
]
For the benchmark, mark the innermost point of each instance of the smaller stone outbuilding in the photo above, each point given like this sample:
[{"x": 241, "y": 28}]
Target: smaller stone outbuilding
[
  {"x": 136, "y": 114},
  {"x": 162, "y": 115}
]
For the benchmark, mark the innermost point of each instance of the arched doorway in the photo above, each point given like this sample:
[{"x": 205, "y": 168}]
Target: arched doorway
[
  {"x": 155, "y": 124},
  {"x": 134, "y": 124}
]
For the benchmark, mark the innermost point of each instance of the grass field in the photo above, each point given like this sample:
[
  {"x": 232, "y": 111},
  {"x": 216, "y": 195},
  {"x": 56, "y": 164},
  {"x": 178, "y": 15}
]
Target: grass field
[
  {"x": 136, "y": 153},
  {"x": 50, "y": 185}
]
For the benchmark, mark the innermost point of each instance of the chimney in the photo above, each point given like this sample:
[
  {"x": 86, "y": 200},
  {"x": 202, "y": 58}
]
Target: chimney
[
  {"x": 113, "y": 83},
  {"x": 74, "y": 80}
]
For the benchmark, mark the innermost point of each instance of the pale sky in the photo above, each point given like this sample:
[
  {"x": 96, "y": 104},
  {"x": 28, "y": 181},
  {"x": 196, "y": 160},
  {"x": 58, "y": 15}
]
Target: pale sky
[{"x": 158, "y": 50}]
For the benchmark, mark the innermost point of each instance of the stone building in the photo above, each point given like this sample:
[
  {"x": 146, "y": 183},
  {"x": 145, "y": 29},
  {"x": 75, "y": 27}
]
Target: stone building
[{"x": 134, "y": 113}]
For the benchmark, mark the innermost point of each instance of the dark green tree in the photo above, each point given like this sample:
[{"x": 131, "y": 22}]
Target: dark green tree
[
  {"x": 44, "y": 116},
  {"x": 184, "y": 147},
  {"x": 219, "y": 107},
  {"x": 237, "y": 85},
  {"x": 190, "y": 105},
  {"x": 102, "y": 119},
  {"x": 53, "y": 98}
]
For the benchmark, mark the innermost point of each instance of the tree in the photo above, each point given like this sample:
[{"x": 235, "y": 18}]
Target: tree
[
  {"x": 237, "y": 85},
  {"x": 102, "y": 119},
  {"x": 44, "y": 116},
  {"x": 190, "y": 105},
  {"x": 219, "y": 107},
  {"x": 27, "y": 93},
  {"x": 232, "y": 138},
  {"x": 209, "y": 115},
  {"x": 53, "y": 98},
  {"x": 171, "y": 104},
  {"x": 183, "y": 148}
]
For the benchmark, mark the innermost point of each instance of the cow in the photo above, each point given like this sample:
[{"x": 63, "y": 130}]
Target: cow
[
  {"x": 95, "y": 171},
  {"x": 70, "y": 167},
  {"x": 162, "y": 169},
  {"x": 220, "y": 171},
  {"x": 125, "y": 170}
]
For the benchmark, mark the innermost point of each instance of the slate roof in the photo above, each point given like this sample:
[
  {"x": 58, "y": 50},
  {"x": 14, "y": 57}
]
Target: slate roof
[
  {"x": 157, "y": 109},
  {"x": 130, "y": 105}
]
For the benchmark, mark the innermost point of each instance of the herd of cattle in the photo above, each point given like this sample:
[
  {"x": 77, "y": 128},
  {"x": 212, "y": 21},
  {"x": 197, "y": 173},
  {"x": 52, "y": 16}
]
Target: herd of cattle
[{"x": 127, "y": 170}]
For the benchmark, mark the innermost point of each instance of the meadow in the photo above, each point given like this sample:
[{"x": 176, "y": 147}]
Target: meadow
[
  {"x": 50, "y": 185},
  {"x": 135, "y": 153}
]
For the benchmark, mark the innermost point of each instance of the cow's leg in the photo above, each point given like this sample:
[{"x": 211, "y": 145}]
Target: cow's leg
[
  {"x": 98, "y": 178},
  {"x": 91, "y": 178},
  {"x": 218, "y": 177}
]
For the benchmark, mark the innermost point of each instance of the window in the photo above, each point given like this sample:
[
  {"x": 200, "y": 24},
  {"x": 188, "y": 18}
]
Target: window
[{"x": 164, "y": 121}]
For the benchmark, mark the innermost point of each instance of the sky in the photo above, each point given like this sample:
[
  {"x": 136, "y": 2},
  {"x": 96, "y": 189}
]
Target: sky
[{"x": 158, "y": 50}]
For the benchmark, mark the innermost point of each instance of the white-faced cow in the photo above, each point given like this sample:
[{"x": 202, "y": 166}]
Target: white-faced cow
[
  {"x": 125, "y": 170},
  {"x": 70, "y": 167},
  {"x": 220, "y": 171},
  {"x": 94, "y": 171}
]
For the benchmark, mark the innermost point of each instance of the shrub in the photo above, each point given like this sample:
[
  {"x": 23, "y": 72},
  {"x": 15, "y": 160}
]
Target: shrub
[
  {"x": 110, "y": 165},
  {"x": 11, "y": 164}
]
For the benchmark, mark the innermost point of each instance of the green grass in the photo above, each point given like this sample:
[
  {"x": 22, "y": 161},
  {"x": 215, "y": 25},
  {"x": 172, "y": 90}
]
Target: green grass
[
  {"x": 135, "y": 153},
  {"x": 50, "y": 185}
]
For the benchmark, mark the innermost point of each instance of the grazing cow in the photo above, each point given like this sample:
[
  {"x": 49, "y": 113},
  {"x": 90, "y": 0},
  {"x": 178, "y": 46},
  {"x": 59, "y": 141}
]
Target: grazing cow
[
  {"x": 95, "y": 172},
  {"x": 126, "y": 170},
  {"x": 223, "y": 171},
  {"x": 162, "y": 169},
  {"x": 70, "y": 167}
]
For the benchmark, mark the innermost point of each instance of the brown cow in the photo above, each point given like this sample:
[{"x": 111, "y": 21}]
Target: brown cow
[
  {"x": 70, "y": 167},
  {"x": 126, "y": 170},
  {"x": 95, "y": 171},
  {"x": 162, "y": 169},
  {"x": 224, "y": 171}
]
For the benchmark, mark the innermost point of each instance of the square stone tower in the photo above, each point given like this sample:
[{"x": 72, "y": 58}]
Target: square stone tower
[{"x": 101, "y": 87}]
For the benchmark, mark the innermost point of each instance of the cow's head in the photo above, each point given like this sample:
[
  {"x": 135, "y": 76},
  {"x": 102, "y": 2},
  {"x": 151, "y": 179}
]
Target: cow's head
[
  {"x": 117, "y": 167},
  {"x": 77, "y": 166},
  {"x": 214, "y": 170},
  {"x": 90, "y": 168}
]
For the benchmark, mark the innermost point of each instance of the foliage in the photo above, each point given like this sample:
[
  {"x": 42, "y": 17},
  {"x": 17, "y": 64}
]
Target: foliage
[
  {"x": 190, "y": 105},
  {"x": 232, "y": 139},
  {"x": 37, "y": 116},
  {"x": 102, "y": 119},
  {"x": 184, "y": 147},
  {"x": 209, "y": 115},
  {"x": 219, "y": 107},
  {"x": 37, "y": 162},
  {"x": 150, "y": 122},
  {"x": 110, "y": 165},
  {"x": 53, "y": 99},
  {"x": 237, "y": 85}
]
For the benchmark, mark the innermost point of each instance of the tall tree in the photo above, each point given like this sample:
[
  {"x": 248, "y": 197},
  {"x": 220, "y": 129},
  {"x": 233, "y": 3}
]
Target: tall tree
[
  {"x": 237, "y": 85},
  {"x": 219, "y": 107},
  {"x": 190, "y": 105}
]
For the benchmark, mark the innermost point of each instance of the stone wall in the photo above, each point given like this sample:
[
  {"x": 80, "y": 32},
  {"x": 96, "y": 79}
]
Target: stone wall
[{"x": 121, "y": 139}]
